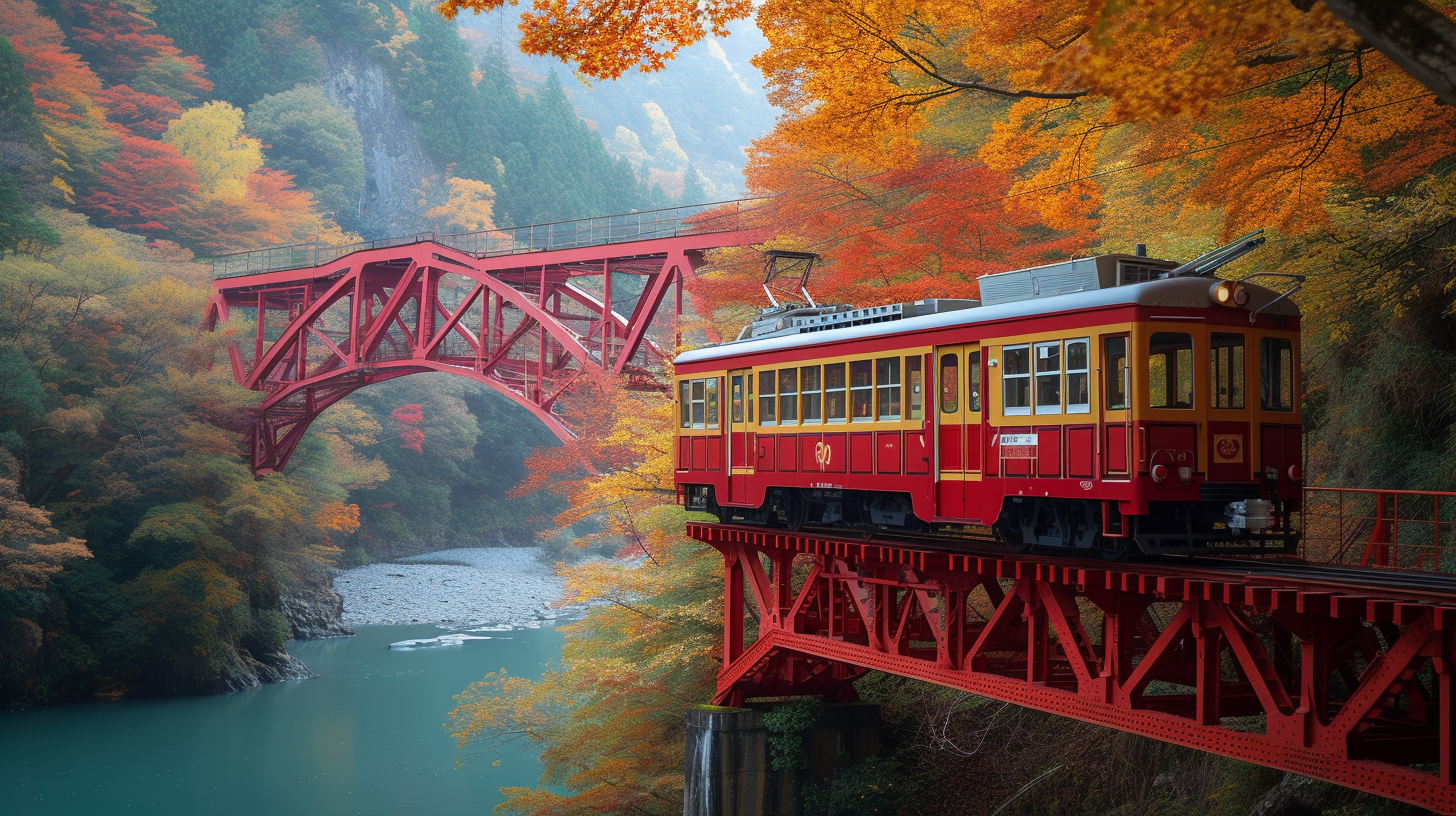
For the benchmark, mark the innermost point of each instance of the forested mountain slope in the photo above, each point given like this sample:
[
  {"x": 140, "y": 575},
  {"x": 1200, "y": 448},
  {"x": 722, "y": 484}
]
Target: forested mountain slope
[
  {"x": 686, "y": 130},
  {"x": 137, "y": 553}
]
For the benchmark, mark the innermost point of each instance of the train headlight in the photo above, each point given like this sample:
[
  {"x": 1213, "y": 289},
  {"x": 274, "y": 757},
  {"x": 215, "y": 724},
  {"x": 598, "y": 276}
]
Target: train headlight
[
  {"x": 1229, "y": 293},
  {"x": 1159, "y": 473},
  {"x": 1185, "y": 475},
  {"x": 1296, "y": 475}
]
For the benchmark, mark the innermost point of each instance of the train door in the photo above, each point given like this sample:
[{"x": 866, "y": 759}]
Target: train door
[
  {"x": 958, "y": 442},
  {"x": 1117, "y": 427},
  {"x": 740, "y": 438}
]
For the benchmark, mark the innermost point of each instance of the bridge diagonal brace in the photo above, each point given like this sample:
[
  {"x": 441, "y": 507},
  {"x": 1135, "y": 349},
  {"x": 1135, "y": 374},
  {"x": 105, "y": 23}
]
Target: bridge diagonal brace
[
  {"x": 864, "y": 599},
  {"x": 452, "y": 321},
  {"x": 1065, "y": 618},
  {"x": 1160, "y": 652},
  {"x": 271, "y": 357},
  {"x": 1377, "y": 679},
  {"x": 1002, "y": 632},
  {"x": 333, "y": 348},
  {"x": 647, "y": 306},
  {"x": 1253, "y": 660},
  {"x": 378, "y": 325}
]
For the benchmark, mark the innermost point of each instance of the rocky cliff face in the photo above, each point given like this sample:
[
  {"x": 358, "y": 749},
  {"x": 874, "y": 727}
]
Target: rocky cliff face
[
  {"x": 250, "y": 672},
  {"x": 313, "y": 609},
  {"x": 397, "y": 173}
]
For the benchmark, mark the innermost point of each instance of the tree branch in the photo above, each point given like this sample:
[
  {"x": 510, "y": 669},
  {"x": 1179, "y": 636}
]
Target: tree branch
[
  {"x": 1416, "y": 37},
  {"x": 928, "y": 67}
]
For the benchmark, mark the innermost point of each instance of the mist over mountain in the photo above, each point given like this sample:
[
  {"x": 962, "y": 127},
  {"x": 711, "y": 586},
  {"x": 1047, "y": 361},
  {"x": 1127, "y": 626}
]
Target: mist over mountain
[{"x": 703, "y": 110}]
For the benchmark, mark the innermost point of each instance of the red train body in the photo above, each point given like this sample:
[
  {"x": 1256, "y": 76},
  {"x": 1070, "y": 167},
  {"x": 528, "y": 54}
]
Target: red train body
[{"x": 1162, "y": 413}]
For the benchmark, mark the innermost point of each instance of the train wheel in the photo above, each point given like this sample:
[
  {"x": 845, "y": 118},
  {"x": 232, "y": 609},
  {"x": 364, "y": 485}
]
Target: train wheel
[
  {"x": 1113, "y": 549},
  {"x": 1010, "y": 529},
  {"x": 796, "y": 510},
  {"x": 723, "y": 514}
]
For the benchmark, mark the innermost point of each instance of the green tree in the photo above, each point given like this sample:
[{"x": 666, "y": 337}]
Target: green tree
[
  {"x": 17, "y": 105},
  {"x": 307, "y": 135},
  {"x": 693, "y": 192},
  {"x": 432, "y": 73},
  {"x": 206, "y": 29},
  {"x": 244, "y": 77},
  {"x": 20, "y": 153}
]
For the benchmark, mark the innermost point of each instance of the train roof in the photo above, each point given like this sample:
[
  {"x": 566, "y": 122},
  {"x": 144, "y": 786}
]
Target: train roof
[{"x": 1183, "y": 293}]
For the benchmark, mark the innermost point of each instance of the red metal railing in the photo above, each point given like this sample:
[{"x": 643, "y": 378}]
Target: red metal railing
[
  {"x": 694, "y": 219},
  {"x": 1391, "y": 529}
]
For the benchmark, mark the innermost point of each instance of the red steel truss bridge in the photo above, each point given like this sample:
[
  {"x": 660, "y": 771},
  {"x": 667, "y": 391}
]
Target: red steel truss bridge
[
  {"x": 1340, "y": 666},
  {"x": 523, "y": 310}
]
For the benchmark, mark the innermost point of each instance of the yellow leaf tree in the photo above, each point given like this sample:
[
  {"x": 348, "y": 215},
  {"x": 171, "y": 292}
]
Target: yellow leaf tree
[{"x": 211, "y": 137}]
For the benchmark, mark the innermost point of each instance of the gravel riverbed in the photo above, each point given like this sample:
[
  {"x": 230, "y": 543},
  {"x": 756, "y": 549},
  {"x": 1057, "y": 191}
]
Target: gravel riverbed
[{"x": 495, "y": 589}]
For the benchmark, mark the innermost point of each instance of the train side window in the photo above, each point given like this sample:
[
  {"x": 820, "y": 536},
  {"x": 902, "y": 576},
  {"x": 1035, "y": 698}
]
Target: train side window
[
  {"x": 766, "y": 412},
  {"x": 916, "y": 383},
  {"x": 1016, "y": 380},
  {"x": 950, "y": 384},
  {"x": 973, "y": 376},
  {"x": 861, "y": 390},
  {"x": 835, "y": 397},
  {"x": 887, "y": 388},
  {"x": 1226, "y": 370},
  {"x": 685, "y": 404},
  {"x": 1078, "y": 372},
  {"x": 699, "y": 399},
  {"x": 1114, "y": 376},
  {"x": 809, "y": 395},
  {"x": 1170, "y": 370},
  {"x": 712, "y": 404},
  {"x": 788, "y": 396},
  {"x": 1049, "y": 377},
  {"x": 748, "y": 381},
  {"x": 737, "y": 408},
  {"x": 1276, "y": 374}
]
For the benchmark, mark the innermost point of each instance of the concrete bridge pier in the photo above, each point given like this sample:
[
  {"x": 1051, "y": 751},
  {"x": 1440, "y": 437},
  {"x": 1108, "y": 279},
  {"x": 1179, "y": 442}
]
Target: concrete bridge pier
[{"x": 727, "y": 767}]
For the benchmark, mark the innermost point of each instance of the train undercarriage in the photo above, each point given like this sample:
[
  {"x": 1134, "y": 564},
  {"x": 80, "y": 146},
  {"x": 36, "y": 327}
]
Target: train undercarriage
[{"x": 1025, "y": 523}]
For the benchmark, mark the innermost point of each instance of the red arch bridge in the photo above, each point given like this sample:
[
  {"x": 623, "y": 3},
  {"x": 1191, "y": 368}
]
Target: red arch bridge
[
  {"x": 1340, "y": 666},
  {"x": 521, "y": 309}
]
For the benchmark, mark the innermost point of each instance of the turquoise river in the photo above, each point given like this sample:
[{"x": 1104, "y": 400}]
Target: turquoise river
[{"x": 364, "y": 737}]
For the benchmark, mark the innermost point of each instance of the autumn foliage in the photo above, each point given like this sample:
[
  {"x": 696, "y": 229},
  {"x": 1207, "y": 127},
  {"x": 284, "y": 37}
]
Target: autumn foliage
[
  {"x": 409, "y": 418},
  {"x": 925, "y": 144},
  {"x": 130, "y": 143},
  {"x": 603, "y": 39}
]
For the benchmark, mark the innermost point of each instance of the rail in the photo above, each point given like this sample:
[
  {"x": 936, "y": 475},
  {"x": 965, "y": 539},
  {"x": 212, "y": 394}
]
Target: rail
[
  {"x": 1412, "y": 530},
  {"x": 694, "y": 219}
]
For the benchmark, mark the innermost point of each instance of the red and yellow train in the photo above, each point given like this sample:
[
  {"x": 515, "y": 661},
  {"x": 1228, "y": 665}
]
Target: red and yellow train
[{"x": 1101, "y": 404}]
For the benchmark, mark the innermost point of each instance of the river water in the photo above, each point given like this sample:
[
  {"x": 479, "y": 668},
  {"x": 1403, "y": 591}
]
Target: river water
[{"x": 364, "y": 737}]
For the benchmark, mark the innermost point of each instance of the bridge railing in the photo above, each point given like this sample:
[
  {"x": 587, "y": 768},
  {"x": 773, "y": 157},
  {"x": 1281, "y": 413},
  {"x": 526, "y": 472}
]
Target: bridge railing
[
  {"x": 1392, "y": 529},
  {"x": 691, "y": 219}
]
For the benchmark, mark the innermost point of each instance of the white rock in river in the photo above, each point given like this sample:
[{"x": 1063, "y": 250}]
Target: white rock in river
[
  {"x": 442, "y": 640},
  {"x": 496, "y": 588}
]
